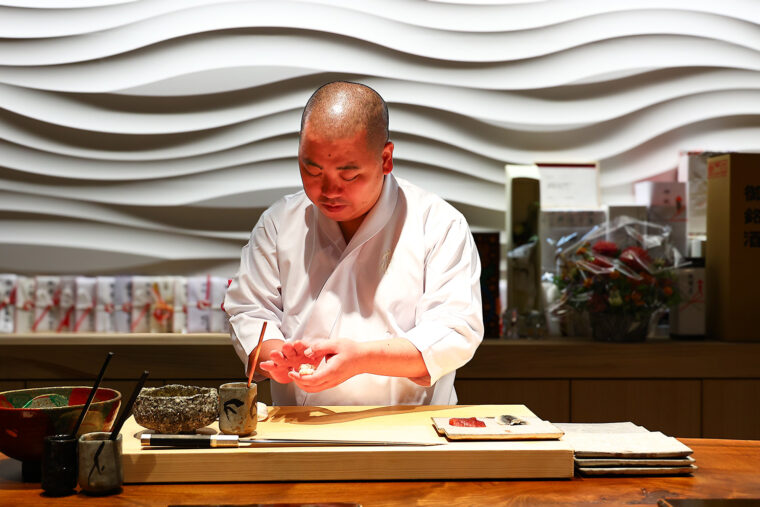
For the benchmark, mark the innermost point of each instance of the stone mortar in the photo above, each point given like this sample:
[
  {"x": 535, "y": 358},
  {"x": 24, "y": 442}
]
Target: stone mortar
[{"x": 176, "y": 408}]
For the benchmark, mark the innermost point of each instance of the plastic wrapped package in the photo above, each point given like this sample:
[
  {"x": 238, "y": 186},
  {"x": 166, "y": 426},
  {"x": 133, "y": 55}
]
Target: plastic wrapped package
[{"x": 618, "y": 270}]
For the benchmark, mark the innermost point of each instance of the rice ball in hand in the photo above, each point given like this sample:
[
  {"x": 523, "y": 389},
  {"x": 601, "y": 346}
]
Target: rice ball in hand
[{"x": 306, "y": 369}]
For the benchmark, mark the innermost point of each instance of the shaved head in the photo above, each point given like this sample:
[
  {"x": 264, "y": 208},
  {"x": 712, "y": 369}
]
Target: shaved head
[{"x": 342, "y": 109}]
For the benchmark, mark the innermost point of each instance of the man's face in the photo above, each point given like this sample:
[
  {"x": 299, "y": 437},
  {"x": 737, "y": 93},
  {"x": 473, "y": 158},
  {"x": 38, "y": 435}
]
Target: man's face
[{"x": 342, "y": 177}]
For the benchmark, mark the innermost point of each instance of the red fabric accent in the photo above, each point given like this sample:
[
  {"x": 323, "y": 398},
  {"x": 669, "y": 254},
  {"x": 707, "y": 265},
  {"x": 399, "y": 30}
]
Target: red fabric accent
[
  {"x": 66, "y": 320},
  {"x": 81, "y": 319},
  {"x": 144, "y": 311}
]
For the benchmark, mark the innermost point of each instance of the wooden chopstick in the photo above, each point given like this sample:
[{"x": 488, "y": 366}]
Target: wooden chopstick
[{"x": 254, "y": 357}]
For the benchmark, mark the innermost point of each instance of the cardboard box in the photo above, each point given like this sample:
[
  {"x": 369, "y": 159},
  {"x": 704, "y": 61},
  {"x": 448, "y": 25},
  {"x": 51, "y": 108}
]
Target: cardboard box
[
  {"x": 8, "y": 284},
  {"x": 24, "y": 320},
  {"x": 142, "y": 300},
  {"x": 162, "y": 309},
  {"x": 47, "y": 309},
  {"x": 220, "y": 322},
  {"x": 635, "y": 211},
  {"x": 84, "y": 306},
  {"x": 692, "y": 170},
  {"x": 179, "y": 318},
  {"x": 67, "y": 304},
  {"x": 666, "y": 201},
  {"x": 733, "y": 246},
  {"x": 205, "y": 295},
  {"x": 105, "y": 307},
  {"x": 122, "y": 301}
]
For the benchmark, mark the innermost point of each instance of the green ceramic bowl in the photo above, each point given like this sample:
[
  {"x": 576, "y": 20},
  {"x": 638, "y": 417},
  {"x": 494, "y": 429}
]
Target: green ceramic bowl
[{"x": 22, "y": 430}]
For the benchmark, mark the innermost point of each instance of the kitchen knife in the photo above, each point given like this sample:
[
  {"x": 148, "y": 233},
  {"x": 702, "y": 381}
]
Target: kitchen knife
[{"x": 148, "y": 440}]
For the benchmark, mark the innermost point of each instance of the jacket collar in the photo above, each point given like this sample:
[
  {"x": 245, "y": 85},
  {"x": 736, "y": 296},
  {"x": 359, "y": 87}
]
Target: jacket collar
[
  {"x": 373, "y": 223},
  {"x": 377, "y": 217}
]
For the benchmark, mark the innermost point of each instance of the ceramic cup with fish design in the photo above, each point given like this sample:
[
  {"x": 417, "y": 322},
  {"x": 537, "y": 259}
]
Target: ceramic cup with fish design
[
  {"x": 237, "y": 408},
  {"x": 100, "y": 470}
]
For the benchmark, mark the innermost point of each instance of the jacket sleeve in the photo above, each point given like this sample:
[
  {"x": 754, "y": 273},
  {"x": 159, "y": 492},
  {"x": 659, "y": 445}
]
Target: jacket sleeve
[
  {"x": 449, "y": 316},
  {"x": 254, "y": 295}
]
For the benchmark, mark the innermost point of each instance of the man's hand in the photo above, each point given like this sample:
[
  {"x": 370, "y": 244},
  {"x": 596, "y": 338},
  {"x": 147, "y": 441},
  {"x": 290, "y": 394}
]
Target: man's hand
[
  {"x": 284, "y": 359},
  {"x": 343, "y": 359}
]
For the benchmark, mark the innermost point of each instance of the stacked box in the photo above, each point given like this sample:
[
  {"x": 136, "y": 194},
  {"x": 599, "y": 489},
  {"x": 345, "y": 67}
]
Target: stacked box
[
  {"x": 24, "y": 319},
  {"x": 105, "y": 308},
  {"x": 122, "y": 301},
  {"x": 666, "y": 201},
  {"x": 162, "y": 304},
  {"x": 179, "y": 318},
  {"x": 84, "y": 307},
  {"x": 47, "y": 294},
  {"x": 67, "y": 304},
  {"x": 142, "y": 300},
  {"x": 635, "y": 211},
  {"x": 692, "y": 170},
  {"x": 8, "y": 284},
  {"x": 733, "y": 246},
  {"x": 220, "y": 322}
]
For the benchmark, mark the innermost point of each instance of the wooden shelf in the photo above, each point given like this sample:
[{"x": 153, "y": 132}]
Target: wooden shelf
[
  {"x": 114, "y": 339},
  {"x": 495, "y": 359}
]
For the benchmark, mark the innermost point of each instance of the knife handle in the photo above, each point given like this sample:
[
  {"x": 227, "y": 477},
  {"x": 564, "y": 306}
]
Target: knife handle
[{"x": 188, "y": 441}]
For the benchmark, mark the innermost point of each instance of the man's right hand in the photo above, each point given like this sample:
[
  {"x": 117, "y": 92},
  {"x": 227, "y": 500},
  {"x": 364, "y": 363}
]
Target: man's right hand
[{"x": 282, "y": 358}]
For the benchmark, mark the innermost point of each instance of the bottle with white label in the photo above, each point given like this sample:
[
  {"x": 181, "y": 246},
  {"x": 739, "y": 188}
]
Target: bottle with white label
[{"x": 687, "y": 319}]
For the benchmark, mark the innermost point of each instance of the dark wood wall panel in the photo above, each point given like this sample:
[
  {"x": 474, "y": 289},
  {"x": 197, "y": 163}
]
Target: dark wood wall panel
[
  {"x": 10, "y": 385},
  {"x": 670, "y": 406},
  {"x": 731, "y": 409},
  {"x": 548, "y": 399}
]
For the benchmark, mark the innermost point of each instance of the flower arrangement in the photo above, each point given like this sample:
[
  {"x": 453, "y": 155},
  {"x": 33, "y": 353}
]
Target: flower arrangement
[{"x": 625, "y": 269}]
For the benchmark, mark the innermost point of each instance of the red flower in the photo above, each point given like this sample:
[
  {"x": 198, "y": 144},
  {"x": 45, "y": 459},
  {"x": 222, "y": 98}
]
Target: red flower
[
  {"x": 602, "y": 251},
  {"x": 635, "y": 257},
  {"x": 606, "y": 248}
]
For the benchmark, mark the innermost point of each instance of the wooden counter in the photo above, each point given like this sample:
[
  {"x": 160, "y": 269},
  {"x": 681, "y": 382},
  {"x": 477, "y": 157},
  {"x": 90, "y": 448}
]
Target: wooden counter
[
  {"x": 727, "y": 469},
  {"x": 692, "y": 389}
]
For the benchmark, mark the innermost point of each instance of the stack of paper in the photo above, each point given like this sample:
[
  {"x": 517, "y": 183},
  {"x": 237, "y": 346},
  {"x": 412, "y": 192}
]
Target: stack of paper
[{"x": 625, "y": 449}]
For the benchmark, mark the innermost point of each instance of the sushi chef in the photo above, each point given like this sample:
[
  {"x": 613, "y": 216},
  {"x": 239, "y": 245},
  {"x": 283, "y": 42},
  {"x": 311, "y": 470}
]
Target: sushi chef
[{"x": 363, "y": 277}]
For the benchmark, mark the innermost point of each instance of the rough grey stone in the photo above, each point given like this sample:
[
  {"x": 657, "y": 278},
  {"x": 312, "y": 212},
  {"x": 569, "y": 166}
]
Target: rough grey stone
[{"x": 176, "y": 408}]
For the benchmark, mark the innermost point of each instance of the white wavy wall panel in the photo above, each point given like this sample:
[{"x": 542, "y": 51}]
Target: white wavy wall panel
[{"x": 148, "y": 136}]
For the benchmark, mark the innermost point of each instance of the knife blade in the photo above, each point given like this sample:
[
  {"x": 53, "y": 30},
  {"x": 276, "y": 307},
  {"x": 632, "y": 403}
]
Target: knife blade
[{"x": 152, "y": 440}]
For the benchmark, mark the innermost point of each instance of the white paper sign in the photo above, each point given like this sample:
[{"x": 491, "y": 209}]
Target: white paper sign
[{"x": 569, "y": 186}]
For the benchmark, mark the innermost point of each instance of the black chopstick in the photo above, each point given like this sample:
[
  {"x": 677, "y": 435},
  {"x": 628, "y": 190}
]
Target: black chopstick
[
  {"x": 128, "y": 407},
  {"x": 92, "y": 394}
]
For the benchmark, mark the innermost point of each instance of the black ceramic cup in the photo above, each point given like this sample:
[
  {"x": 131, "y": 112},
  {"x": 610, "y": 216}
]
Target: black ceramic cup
[{"x": 59, "y": 464}]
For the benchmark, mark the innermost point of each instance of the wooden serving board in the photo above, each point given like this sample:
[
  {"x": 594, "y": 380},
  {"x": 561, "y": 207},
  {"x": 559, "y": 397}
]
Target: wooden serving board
[
  {"x": 533, "y": 429},
  {"x": 452, "y": 460}
]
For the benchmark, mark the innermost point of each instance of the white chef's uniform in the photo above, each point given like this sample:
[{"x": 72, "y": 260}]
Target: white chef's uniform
[{"x": 411, "y": 270}]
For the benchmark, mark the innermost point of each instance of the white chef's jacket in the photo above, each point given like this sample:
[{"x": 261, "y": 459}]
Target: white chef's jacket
[{"x": 411, "y": 270}]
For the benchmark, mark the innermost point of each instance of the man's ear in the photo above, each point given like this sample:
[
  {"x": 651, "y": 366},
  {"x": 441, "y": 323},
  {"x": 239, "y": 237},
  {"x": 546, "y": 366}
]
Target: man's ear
[{"x": 387, "y": 157}]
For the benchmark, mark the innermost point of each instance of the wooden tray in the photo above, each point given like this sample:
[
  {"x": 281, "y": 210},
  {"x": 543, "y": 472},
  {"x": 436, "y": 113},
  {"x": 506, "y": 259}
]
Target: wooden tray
[
  {"x": 453, "y": 460},
  {"x": 533, "y": 429}
]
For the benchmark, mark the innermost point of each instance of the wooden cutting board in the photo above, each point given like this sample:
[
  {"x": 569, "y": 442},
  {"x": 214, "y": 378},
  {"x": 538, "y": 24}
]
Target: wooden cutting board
[{"x": 452, "y": 460}]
